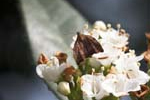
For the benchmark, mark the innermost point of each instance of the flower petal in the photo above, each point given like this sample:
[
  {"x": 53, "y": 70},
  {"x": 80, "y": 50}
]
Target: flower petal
[
  {"x": 39, "y": 69},
  {"x": 91, "y": 86},
  {"x": 119, "y": 85}
]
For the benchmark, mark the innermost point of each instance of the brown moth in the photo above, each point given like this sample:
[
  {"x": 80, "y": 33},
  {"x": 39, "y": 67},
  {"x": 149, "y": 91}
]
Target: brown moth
[{"x": 85, "y": 46}]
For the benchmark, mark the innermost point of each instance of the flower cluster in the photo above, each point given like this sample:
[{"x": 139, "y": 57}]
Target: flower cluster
[{"x": 107, "y": 67}]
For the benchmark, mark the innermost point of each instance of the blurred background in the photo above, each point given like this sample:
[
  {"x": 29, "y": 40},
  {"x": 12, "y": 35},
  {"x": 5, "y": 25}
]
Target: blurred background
[{"x": 29, "y": 27}]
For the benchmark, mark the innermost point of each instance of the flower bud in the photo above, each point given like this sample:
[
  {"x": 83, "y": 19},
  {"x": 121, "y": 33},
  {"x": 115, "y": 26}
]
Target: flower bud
[
  {"x": 109, "y": 25},
  {"x": 118, "y": 26},
  {"x": 100, "y": 25},
  {"x": 94, "y": 62},
  {"x": 64, "y": 88},
  {"x": 102, "y": 68}
]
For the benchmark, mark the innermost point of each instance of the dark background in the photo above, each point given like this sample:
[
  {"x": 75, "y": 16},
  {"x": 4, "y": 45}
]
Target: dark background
[
  {"x": 15, "y": 52},
  {"x": 17, "y": 72}
]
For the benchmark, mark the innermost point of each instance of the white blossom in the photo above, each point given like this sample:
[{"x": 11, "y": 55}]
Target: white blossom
[
  {"x": 113, "y": 38},
  {"x": 128, "y": 64},
  {"x": 91, "y": 86},
  {"x": 109, "y": 55},
  {"x": 50, "y": 71},
  {"x": 119, "y": 85}
]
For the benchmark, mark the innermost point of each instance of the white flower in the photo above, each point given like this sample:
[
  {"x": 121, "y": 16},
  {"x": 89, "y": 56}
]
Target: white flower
[
  {"x": 50, "y": 71},
  {"x": 109, "y": 55},
  {"x": 96, "y": 34},
  {"x": 64, "y": 88},
  {"x": 128, "y": 64},
  {"x": 110, "y": 37},
  {"x": 113, "y": 38},
  {"x": 91, "y": 86},
  {"x": 119, "y": 85},
  {"x": 103, "y": 58}
]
